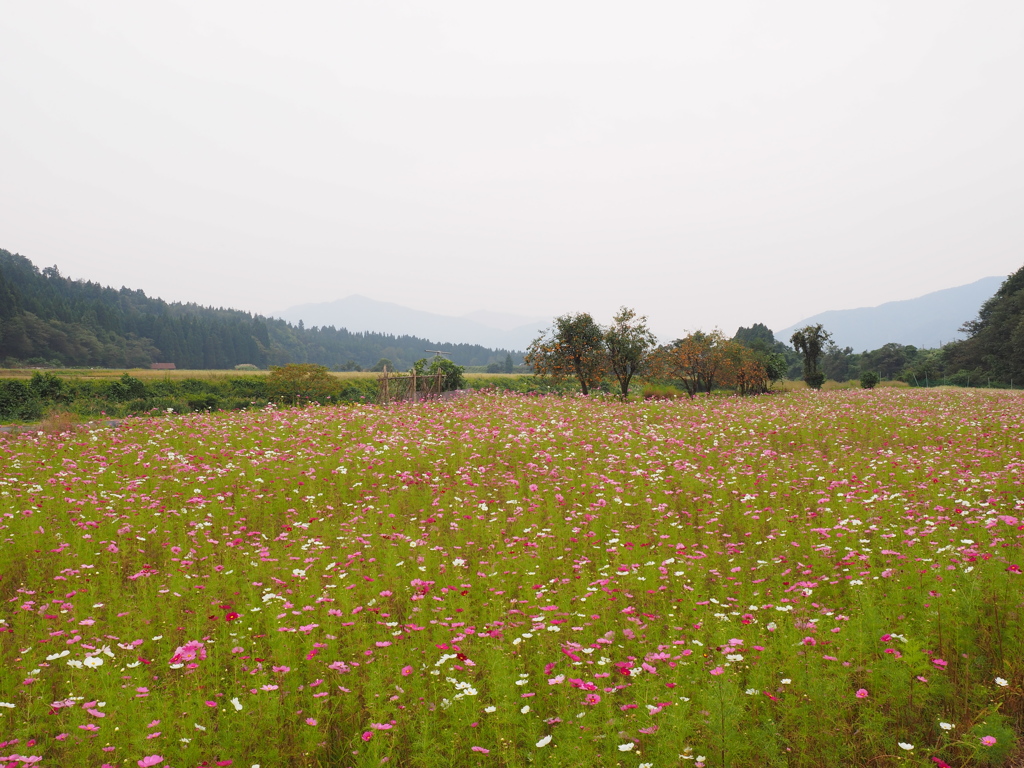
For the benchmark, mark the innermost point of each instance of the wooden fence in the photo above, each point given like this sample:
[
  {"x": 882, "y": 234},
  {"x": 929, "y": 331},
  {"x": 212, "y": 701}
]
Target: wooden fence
[{"x": 407, "y": 387}]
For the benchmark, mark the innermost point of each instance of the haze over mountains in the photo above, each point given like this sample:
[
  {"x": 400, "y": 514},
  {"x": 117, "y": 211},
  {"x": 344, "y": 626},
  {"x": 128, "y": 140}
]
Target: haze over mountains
[
  {"x": 497, "y": 330},
  {"x": 926, "y": 322}
]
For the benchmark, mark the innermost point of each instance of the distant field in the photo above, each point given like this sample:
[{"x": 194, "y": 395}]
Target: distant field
[{"x": 146, "y": 373}]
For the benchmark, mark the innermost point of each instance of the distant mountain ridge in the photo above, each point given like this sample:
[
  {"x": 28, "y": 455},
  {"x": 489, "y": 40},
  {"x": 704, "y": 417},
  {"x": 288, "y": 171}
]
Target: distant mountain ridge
[
  {"x": 925, "y": 322},
  {"x": 359, "y": 314}
]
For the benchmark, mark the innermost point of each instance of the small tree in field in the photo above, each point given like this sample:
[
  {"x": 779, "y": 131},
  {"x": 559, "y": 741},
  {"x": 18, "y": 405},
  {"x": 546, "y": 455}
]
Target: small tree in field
[
  {"x": 573, "y": 346},
  {"x": 810, "y": 341},
  {"x": 628, "y": 343}
]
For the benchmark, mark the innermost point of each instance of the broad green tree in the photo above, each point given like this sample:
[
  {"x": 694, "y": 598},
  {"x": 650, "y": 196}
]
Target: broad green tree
[
  {"x": 629, "y": 343},
  {"x": 573, "y": 347},
  {"x": 757, "y": 336}
]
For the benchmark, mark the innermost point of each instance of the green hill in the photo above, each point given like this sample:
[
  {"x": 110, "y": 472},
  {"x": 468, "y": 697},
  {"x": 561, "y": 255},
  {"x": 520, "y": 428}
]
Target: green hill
[{"x": 48, "y": 319}]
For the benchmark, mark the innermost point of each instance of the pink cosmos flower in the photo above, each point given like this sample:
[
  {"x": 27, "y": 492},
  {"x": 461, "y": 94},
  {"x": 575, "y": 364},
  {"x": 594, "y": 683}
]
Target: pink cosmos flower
[
  {"x": 367, "y": 735},
  {"x": 988, "y": 741},
  {"x": 310, "y": 721},
  {"x": 406, "y": 671},
  {"x": 717, "y": 671},
  {"x": 151, "y": 760},
  {"x": 862, "y": 693},
  {"x": 481, "y": 750},
  {"x": 190, "y": 651}
]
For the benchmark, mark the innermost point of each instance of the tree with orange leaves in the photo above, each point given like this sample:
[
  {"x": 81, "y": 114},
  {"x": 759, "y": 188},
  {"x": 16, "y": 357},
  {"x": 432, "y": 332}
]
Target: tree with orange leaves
[
  {"x": 573, "y": 347},
  {"x": 695, "y": 361}
]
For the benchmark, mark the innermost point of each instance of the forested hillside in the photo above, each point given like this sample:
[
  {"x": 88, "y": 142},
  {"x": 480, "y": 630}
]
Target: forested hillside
[
  {"x": 48, "y": 319},
  {"x": 995, "y": 347}
]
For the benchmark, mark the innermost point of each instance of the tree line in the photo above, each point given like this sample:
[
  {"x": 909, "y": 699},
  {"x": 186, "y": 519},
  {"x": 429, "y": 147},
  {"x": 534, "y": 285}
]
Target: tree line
[
  {"x": 48, "y": 320},
  {"x": 576, "y": 347}
]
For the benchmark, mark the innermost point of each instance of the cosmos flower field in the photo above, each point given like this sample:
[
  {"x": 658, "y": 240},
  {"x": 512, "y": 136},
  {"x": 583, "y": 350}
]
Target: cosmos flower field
[{"x": 807, "y": 579}]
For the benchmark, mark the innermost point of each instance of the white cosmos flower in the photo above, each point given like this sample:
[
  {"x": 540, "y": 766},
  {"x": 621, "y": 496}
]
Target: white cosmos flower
[
  {"x": 525, "y": 709},
  {"x": 904, "y": 745},
  {"x": 946, "y": 726},
  {"x": 626, "y": 747},
  {"x": 93, "y": 661},
  {"x": 545, "y": 741},
  {"x": 236, "y": 704},
  {"x": 1001, "y": 682}
]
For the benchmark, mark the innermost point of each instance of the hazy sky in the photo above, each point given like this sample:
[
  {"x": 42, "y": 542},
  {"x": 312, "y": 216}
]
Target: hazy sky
[{"x": 708, "y": 163}]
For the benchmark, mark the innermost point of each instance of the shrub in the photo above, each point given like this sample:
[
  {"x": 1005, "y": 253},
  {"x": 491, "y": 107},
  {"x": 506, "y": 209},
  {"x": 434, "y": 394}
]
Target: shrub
[
  {"x": 18, "y": 401},
  {"x": 126, "y": 388},
  {"x": 815, "y": 380},
  {"x": 869, "y": 380},
  {"x": 301, "y": 383},
  {"x": 49, "y": 387}
]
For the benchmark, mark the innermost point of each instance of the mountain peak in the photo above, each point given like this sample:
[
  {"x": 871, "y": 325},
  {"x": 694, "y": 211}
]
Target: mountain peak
[
  {"x": 925, "y": 322},
  {"x": 359, "y": 313}
]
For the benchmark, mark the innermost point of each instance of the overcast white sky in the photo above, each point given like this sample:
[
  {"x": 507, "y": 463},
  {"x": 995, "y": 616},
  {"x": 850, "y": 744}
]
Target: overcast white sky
[{"x": 708, "y": 163}]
